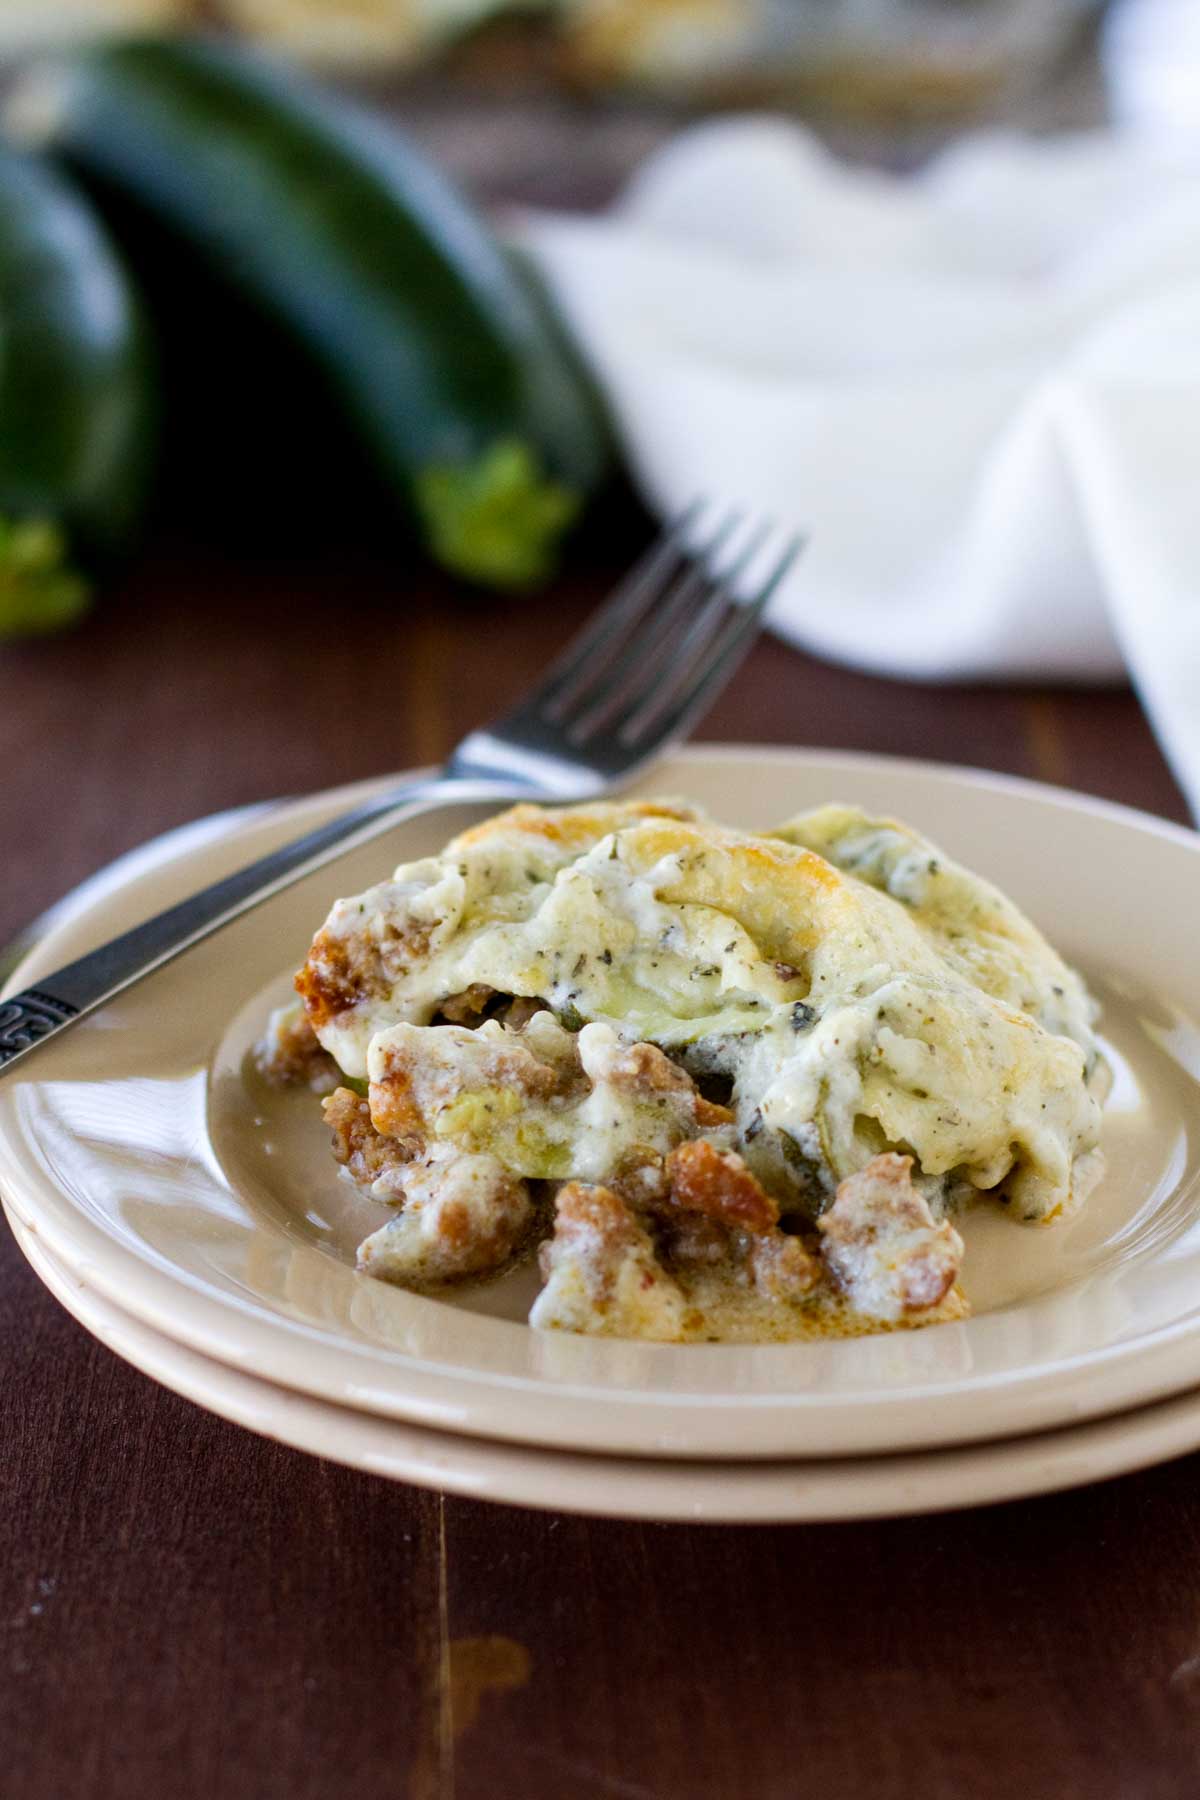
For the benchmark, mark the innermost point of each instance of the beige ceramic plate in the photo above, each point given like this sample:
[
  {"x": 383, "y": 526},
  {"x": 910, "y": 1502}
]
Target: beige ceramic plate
[
  {"x": 637, "y": 1487},
  {"x": 209, "y": 1209}
]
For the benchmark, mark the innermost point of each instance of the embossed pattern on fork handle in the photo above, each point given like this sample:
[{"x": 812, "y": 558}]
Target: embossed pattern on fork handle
[{"x": 27, "y": 1018}]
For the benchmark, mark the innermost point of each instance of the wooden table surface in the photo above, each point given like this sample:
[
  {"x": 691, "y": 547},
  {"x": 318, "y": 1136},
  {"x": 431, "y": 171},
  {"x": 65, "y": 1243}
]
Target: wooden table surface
[
  {"x": 190, "y": 1611},
  {"x": 193, "y": 1613}
]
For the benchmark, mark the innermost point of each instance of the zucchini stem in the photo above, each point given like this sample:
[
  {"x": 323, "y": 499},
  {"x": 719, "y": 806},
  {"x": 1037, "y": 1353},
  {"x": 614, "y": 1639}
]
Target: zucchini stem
[
  {"x": 40, "y": 590},
  {"x": 498, "y": 520}
]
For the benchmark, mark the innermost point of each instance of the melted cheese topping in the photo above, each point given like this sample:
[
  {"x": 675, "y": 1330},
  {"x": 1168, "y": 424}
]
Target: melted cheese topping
[{"x": 860, "y": 991}]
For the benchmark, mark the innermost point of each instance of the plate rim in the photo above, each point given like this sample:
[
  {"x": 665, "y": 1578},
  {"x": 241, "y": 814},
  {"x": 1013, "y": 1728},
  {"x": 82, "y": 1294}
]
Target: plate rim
[
  {"x": 242, "y": 1343},
  {"x": 756, "y": 1492}
]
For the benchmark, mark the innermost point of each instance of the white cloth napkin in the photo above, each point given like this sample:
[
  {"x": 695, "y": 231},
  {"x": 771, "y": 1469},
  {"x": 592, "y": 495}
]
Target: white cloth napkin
[{"x": 978, "y": 389}]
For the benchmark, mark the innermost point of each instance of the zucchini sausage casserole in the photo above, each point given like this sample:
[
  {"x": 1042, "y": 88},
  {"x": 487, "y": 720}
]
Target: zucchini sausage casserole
[{"x": 723, "y": 1086}]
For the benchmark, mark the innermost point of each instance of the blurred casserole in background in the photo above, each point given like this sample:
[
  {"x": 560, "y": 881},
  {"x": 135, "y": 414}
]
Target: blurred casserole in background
[{"x": 873, "y": 59}]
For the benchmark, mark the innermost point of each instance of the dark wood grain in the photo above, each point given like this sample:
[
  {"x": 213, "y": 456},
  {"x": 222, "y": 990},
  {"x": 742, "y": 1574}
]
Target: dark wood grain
[
  {"x": 189, "y": 1611},
  {"x": 193, "y": 1613}
]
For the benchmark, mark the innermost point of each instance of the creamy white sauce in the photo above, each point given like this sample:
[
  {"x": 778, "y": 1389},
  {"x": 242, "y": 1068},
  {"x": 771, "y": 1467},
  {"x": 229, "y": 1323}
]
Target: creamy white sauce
[{"x": 905, "y": 1004}]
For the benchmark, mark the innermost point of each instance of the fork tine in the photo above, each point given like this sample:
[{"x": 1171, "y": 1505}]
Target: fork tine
[
  {"x": 652, "y": 687},
  {"x": 597, "y": 745},
  {"x": 603, "y": 682},
  {"x": 608, "y": 627},
  {"x": 720, "y": 657},
  {"x": 679, "y": 650},
  {"x": 708, "y": 670}
]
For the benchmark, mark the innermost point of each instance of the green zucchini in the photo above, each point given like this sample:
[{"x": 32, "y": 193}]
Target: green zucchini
[
  {"x": 75, "y": 420},
  {"x": 340, "y": 233}
]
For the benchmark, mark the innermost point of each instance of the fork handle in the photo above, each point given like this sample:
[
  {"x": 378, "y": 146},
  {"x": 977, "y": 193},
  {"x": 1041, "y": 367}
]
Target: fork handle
[{"x": 30, "y": 1019}]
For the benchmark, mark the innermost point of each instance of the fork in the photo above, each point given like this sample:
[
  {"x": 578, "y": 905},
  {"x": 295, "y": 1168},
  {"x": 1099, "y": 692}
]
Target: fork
[{"x": 631, "y": 684}]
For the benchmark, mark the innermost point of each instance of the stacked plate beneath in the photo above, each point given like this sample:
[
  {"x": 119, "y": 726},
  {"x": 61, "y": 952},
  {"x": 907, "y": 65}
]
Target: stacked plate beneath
[{"x": 194, "y": 1222}]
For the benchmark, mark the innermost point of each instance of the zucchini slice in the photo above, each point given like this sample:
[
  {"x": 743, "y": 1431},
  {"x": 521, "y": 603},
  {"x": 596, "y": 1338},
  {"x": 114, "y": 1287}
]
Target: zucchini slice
[{"x": 335, "y": 229}]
